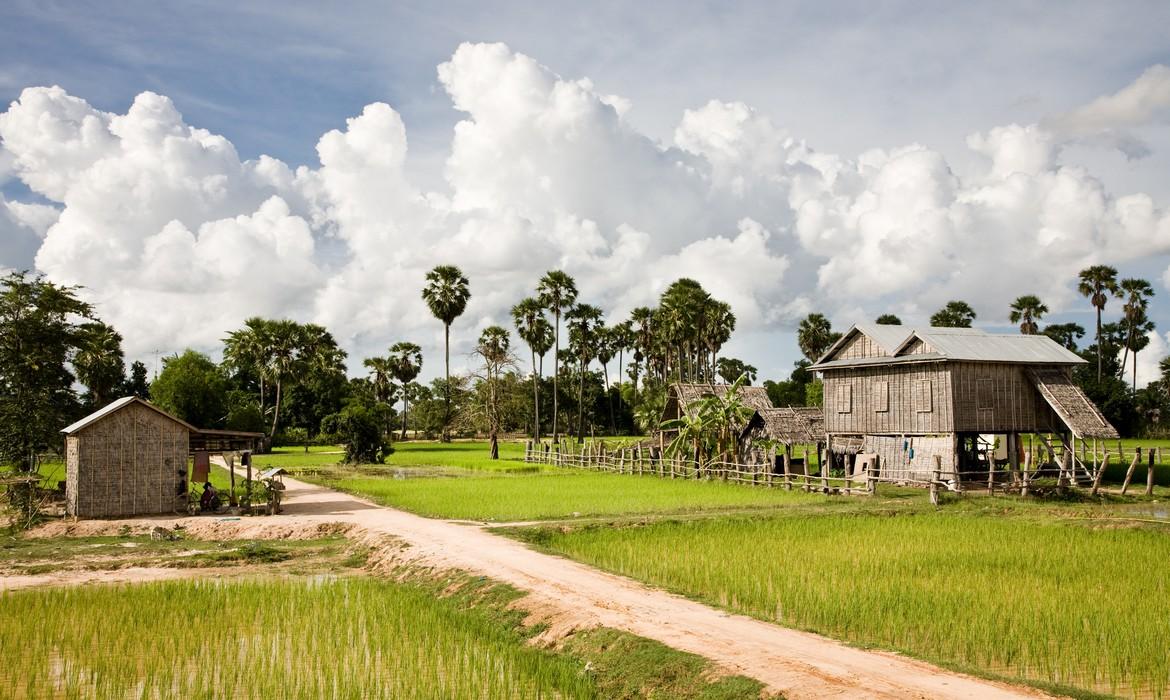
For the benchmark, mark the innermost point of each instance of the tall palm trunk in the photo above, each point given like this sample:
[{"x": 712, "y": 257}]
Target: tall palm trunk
[
  {"x": 556, "y": 372},
  {"x": 405, "y": 406},
  {"x": 535, "y": 400},
  {"x": 447, "y": 374},
  {"x": 495, "y": 418},
  {"x": 276, "y": 409},
  {"x": 1098, "y": 342},
  {"x": 581, "y": 405},
  {"x": 608, "y": 395},
  {"x": 539, "y": 381}
]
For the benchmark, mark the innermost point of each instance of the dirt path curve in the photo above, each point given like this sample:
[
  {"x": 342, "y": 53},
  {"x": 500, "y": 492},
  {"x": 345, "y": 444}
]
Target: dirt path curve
[{"x": 568, "y": 595}]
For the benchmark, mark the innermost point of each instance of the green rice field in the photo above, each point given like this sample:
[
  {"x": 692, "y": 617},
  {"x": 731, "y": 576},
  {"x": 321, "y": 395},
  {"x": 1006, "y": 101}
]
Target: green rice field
[
  {"x": 1049, "y": 602},
  {"x": 342, "y": 638}
]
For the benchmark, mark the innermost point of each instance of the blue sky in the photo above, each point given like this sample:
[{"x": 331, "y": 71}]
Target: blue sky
[{"x": 844, "y": 78}]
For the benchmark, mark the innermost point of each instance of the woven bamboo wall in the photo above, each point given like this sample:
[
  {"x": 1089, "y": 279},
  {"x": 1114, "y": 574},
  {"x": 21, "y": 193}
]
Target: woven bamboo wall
[
  {"x": 911, "y": 398},
  {"x": 127, "y": 463},
  {"x": 999, "y": 398},
  {"x": 911, "y": 458}
]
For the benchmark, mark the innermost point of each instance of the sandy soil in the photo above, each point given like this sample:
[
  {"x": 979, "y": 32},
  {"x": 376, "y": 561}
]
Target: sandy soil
[
  {"x": 133, "y": 574},
  {"x": 568, "y": 596}
]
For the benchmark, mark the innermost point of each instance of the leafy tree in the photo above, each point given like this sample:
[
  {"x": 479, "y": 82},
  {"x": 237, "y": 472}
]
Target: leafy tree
[
  {"x": 956, "y": 314},
  {"x": 1096, "y": 284},
  {"x": 405, "y": 364},
  {"x": 558, "y": 292},
  {"x": 98, "y": 362},
  {"x": 888, "y": 320},
  {"x": 38, "y": 335},
  {"x": 815, "y": 336},
  {"x": 193, "y": 388},
  {"x": 584, "y": 321},
  {"x": 731, "y": 369},
  {"x": 1066, "y": 334},
  {"x": 359, "y": 425},
  {"x": 606, "y": 347},
  {"x": 446, "y": 294},
  {"x": 494, "y": 351},
  {"x": 1026, "y": 311},
  {"x": 136, "y": 383},
  {"x": 243, "y": 412}
]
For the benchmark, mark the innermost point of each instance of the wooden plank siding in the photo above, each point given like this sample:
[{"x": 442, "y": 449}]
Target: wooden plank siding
[
  {"x": 999, "y": 398},
  {"x": 891, "y": 399},
  {"x": 918, "y": 347},
  {"x": 860, "y": 345}
]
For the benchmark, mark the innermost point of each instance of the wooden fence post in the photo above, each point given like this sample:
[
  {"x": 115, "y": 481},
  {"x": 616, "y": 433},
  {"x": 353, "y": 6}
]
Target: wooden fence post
[
  {"x": 1129, "y": 472},
  {"x": 1026, "y": 474},
  {"x": 871, "y": 475},
  {"x": 825, "y": 474},
  {"x": 788, "y": 472},
  {"x": 936, "y": 475}
]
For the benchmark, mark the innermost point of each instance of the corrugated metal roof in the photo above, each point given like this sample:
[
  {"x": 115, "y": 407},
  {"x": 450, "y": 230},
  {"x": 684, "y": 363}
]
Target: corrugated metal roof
[
  {"x": 880, "y": 360},
  {"x": 117, "y": 406},
  {"x": 984, "y": 347}
]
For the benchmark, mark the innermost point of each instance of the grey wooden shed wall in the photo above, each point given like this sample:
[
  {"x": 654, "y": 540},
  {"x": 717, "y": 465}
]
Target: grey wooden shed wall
[{"x": 889, "y": 399}]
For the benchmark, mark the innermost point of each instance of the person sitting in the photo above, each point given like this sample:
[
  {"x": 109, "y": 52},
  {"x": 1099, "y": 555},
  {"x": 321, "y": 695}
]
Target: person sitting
[{"x": 209, "y": 501}]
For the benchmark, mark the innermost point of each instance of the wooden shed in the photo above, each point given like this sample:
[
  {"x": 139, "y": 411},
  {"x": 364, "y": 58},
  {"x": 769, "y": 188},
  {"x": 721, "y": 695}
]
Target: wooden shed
[
  {"x": 909, "y": 395},
  {"x": 129, "y": 458}
]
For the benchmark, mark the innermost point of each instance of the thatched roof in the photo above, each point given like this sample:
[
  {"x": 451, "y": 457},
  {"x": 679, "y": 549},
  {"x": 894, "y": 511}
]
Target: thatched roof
[
  {"x": 1070, "y": 403},
  {"x": 789, "y": 425},
  {"x": 686, "y": 395}
]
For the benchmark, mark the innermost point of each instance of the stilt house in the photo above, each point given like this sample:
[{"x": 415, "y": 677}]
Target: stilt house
[{"x": 909, "y": 395}]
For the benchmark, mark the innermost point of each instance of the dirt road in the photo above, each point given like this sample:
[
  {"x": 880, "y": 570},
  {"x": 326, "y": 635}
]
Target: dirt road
[{"x": 568, "y": 596}]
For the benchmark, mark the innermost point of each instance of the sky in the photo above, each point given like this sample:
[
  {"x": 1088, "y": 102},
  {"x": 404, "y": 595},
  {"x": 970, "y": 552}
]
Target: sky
[{"x": 193, "y": 164}]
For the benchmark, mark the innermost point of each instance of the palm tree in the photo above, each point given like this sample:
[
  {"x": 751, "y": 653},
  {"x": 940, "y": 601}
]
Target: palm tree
[
  {"x": 1097, "y": 283},
  {"x": 815, "y": 336},
  {"x": 98, "y": 361},
  {"x": 888, "y": 320},
  {"x": 1137, "y": 293},
  {"x": 285, "y": 338},
  {"x": 641, "y": 319},
  {"x": 248, "y": 349},
  {"x": 446, "y": 294},
  {"x": 494, "y": 348},
  {"x": 1026, "y": 311},
  {"x": 721, "y": 324},
  {"x": 558, "y": 292},
  {"x": 605, "y": 347},
  {"x": 405, "y": 364},
  {"x": 584, "y": 321},
  {"x": 528, "y": 317},
  {"x": 1164, "y": 369},
  {"x": 956, "y": 314}
]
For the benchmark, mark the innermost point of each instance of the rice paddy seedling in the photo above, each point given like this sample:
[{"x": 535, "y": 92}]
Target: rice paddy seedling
[
  {"x": 559, "y": 493},
  {"x": 313, "y": 638},
  {"x": 1046, "y": 602}
]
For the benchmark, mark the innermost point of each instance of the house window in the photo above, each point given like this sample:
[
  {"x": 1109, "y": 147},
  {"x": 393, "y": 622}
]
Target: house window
[
  {"x": 923, "y": 396},
  {"x": 984, "y": 393},
  {"x": 845, "y": 398},
  {"x": 881, "y": 396}
]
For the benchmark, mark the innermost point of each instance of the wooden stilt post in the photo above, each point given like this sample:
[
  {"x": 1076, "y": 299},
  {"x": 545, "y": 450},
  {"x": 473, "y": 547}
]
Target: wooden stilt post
[
  {"x": 1098, "y": 475},
  {"x": 1150, "y": 474},
  {"x": 1137, "y": 457}
]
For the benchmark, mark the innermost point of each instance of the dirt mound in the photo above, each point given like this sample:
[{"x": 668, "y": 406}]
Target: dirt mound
[{"x": 200, "y": 528}]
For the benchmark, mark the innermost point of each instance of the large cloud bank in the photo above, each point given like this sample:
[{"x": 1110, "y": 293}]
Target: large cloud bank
[{"x": 177, "y": 239}]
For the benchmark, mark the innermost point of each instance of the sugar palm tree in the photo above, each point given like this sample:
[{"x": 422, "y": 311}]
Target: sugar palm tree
[
  {"x": 405, "y": 364},
  {"x": 381, "y": 372},
  {"x": 1137, "y": 293},
  {"x": 446, "y": 294},
  {"x": 248, "y": 349},
  {"x": 605, "y": 345},
  {"x": 720, "y": 326},
  {"x": 528, "y": 317},
  {"x": 584, "y": 320},
  {"x": 98, "y": 361},
  {"x": 1097, "y": 283},
  {"x": 558, "y": 292},
  {"x": 641, "y": 319},
  {"x": 815, "y": 336},
  {"x": 956, "y": 314},
  {"x": 1026, "y": 311}
]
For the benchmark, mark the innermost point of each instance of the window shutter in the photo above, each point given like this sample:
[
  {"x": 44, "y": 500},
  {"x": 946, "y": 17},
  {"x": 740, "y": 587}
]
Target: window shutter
[
  {"x": 923, "y": 396},
  {"x": 845, "y": 398},
  {"x": 881, "y": 396}
]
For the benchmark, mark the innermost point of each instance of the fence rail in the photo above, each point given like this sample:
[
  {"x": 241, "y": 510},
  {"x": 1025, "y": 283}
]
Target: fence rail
[{"x": 862, "y": 477}]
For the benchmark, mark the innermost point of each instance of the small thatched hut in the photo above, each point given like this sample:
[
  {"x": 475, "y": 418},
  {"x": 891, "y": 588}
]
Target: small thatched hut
[
  {"x": 682, "y": 399},
  {"x": 129, "y": 458}
]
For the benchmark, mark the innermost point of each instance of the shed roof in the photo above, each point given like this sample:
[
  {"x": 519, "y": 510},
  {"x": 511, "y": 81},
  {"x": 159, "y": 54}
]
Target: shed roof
[
  {"x": 753, "y": 396},
  {"x": 118, "y": 405}
]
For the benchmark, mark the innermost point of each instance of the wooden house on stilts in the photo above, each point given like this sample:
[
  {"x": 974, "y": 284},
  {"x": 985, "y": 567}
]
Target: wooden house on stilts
[{"x": 910, "y": 395}]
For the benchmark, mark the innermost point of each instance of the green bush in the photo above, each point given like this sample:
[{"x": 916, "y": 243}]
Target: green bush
[{"x": 360, "y": 426}]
